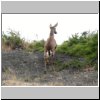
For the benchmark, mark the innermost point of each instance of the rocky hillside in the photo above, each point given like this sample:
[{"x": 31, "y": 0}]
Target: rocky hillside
[{"x": 20, "y": 68}]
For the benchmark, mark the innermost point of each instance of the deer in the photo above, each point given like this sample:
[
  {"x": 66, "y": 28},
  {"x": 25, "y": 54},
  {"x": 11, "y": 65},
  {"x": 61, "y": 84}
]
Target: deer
[{"x": 50, "y": 47}]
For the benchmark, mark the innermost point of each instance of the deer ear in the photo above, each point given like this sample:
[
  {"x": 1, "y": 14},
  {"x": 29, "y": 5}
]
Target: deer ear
[{"x": 55, "y": 25}]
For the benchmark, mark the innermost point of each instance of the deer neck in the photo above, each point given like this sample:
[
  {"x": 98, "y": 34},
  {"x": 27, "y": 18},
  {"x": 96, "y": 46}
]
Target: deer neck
[{"x": 51, "y": 34}]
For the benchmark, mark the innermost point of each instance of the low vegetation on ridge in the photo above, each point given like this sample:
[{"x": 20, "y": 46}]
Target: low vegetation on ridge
[{"x": 83, "y": 47}]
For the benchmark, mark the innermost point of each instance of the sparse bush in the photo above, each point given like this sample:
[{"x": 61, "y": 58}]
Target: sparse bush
[
  {"x": 12, "y": 40},
  {"x": 35, "y": 46},
  {"x": 38, "y": 45}
]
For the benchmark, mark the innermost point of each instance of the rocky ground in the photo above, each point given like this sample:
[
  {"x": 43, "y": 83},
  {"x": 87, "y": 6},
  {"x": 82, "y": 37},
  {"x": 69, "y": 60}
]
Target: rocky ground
[{"x": 20, "y": 68}]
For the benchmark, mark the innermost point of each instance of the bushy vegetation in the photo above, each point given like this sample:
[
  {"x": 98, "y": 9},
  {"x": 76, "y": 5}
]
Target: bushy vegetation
[
  {"x": 73, "y": 64},
  {"x": 85, "y": 46},
  {"x": 14, "y": 41},
  {"x": 35, "y": 46}
]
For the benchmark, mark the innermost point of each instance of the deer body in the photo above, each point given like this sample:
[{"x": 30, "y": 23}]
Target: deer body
[{"x": 50, "y": 46}]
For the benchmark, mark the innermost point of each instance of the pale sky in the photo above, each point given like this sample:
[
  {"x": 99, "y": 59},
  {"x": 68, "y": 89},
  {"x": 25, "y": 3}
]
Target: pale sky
[{"x": 29, "y": 25}]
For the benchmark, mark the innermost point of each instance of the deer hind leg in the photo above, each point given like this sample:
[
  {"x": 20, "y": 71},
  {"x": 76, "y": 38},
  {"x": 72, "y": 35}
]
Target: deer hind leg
[
  {"x": 46, "y": 61},
  {"x": 53, "y": 56}
]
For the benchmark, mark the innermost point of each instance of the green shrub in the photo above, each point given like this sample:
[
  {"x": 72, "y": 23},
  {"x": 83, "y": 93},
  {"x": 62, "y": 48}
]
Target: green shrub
[
  {"x": 74, "y": 63},
  {"x": 85, "y": 46},
  {"x": 35, "y": 46}
]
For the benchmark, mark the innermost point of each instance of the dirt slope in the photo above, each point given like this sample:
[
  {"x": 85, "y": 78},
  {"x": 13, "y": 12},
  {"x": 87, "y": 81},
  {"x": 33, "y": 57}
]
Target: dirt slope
[{"x": 20, "y": 68}]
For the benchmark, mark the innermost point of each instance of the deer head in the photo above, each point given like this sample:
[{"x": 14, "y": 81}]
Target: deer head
[{"x": 53, "y": 28}]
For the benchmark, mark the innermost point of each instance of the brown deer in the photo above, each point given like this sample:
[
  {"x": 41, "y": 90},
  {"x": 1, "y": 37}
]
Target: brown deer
[{"x": 50, "y": 46}]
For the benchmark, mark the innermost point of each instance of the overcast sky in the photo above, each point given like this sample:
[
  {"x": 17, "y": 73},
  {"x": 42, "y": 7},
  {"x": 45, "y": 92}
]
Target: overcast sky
[{"x": 36, "y": 26}]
